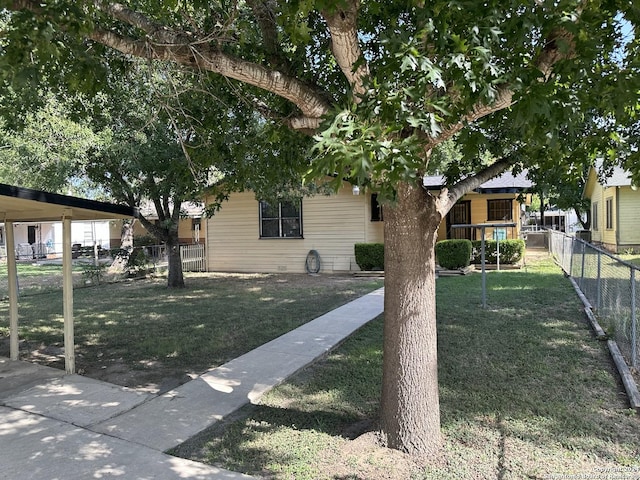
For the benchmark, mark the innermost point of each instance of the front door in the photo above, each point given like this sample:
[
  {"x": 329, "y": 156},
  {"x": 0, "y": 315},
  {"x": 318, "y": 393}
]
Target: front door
[
  {"x": 460, "y": 214},
  {"x": 31, "y": 234}
]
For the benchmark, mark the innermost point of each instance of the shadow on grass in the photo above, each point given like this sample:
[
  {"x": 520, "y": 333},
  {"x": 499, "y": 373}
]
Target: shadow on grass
[
  {"x": 142, "y": 325},
  {"x": 525, "y": 373},
  {"x": 528, "y": 364}
]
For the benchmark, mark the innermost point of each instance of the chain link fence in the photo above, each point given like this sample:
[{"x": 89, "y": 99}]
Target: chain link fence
[{"x": 611, "y": 285}]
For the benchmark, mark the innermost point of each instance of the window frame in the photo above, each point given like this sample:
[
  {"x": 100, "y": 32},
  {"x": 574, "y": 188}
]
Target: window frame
[
  {"x": 608, "y": 216},
  {"x": 281, "y": 219},
  {"x": 496, "y": 200},
  {"x": 594, "y": 216}
]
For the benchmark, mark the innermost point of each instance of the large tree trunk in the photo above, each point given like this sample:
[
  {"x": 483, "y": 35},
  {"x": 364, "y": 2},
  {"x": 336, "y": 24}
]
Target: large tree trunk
[
  {"x": 176, "y": 278},
  {"x": 126, "y": 246},
  {"x": 410, "y": 409}
]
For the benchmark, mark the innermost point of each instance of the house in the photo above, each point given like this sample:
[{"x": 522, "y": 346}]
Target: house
[
  {"x": 190, "y": 226},
  {"x": 495, "y": 201},
  {"x": 251, "y": 236},
  {"x": 44, "y": 239},
  {"x": 615, "y": 210}
]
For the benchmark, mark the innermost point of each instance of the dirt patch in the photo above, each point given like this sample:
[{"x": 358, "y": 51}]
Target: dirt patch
[{"x": 365, "y": 458}]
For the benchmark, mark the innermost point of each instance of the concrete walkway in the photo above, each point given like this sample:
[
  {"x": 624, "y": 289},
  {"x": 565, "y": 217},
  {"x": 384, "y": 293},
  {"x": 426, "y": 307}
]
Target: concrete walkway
[{"x": 56, "y": 426}]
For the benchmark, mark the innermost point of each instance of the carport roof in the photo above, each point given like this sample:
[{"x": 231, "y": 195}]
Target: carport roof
[{"x": 27, "y": 205}]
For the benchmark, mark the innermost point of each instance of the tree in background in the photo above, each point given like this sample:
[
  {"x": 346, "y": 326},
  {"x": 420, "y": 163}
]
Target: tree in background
[
  {"x": 380, "y": 85},
  {"x": 48, "y": 152}
]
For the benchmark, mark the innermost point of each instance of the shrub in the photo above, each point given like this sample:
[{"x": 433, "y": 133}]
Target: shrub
[
  {"x": 511, "y": 251},
  {"x": 145, "y": 241},
  {"x": 370, "y": 256},
  {"x": 453, "y": 254}
]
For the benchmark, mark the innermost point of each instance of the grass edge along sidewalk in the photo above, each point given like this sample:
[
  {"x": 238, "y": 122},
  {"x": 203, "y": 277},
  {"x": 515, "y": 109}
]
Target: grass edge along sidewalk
[{"x": 526, "y": 391}]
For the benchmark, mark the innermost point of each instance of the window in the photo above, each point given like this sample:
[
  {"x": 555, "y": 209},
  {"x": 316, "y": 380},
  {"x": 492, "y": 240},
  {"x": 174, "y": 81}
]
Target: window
[
  {"x": 281, "y": 220},
  {"x": 609, "y": 213},
  {"x": 196, "y": 223},
  {"x": 376, "y": 209},
  {"x": 499, "y": 209},
  {"x": 594, "y": 216}
]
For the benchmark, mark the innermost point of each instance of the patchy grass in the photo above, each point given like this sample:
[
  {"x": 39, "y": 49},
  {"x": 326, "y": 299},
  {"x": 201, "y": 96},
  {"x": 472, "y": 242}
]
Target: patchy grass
[
  {"x": 139, "y": 333},
  {"x": 36, "y": 277},
  {"x": 631, "y": 258},
  {"x": 525, "y": 389}
]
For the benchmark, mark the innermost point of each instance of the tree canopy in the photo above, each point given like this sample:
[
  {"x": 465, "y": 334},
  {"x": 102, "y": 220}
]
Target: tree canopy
[{"x": 379, "y": 85}]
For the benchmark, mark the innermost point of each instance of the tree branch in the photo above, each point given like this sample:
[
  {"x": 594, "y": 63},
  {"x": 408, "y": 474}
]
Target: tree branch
[
  {"x": 263, "y": 11},
  {"x": 310, "y": 101},
  {"x": 343, "y": 26},
  {"x": 124, "y": 14},
  {"x": 558, "y": 46},
  {"x": 449, "y": 196}
]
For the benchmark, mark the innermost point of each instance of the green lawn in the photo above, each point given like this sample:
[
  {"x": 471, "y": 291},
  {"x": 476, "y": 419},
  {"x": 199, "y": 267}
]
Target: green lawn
[
  {"x": 139, "y": 332},
  {"x": 36, "y": 277},
  {"x": 525, "y": 389}
]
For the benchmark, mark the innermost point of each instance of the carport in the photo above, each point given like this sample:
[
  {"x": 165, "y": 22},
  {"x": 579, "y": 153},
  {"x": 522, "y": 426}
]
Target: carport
[{"x": 26, "y": 205}]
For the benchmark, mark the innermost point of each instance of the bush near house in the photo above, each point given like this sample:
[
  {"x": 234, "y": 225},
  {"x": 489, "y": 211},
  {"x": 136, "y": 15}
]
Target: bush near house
[
  {"x": 453, "y": 254},
  {"x": 511, "y": 251},
  {"x": 369, "y": 256}
]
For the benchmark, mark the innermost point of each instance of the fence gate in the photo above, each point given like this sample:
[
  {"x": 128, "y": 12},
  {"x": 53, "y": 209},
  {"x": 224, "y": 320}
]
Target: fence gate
[{"x": 193, "y": 259}]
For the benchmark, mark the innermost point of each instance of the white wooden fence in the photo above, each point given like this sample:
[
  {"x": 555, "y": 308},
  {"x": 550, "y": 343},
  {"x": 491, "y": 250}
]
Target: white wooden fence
[{"x": 193, "y": 258}]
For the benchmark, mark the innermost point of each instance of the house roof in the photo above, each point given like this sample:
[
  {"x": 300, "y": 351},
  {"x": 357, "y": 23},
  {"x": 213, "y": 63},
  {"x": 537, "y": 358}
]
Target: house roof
[
  {"x": 619, "y": 178},
  {"x": 27, "y": 205},
  {"x": 190, "y": 209},
  {"x": 505, "y": 183}
]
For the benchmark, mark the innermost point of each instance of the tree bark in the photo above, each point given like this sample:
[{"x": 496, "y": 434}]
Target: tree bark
[
  {"x": 126, "y": 245},
  {"x": 175, "y": 277},
  {"x": 410, "y": 410}
]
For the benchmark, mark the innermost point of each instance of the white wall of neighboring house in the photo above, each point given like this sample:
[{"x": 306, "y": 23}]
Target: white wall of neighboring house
[{"x": 47, "y": 237}]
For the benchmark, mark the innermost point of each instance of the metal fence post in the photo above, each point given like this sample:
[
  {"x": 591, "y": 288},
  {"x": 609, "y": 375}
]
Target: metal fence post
[
  {"x": 634, "y": 330},
  {"x": 598, "y": 282},
  {"x": 582, "y": 266}
]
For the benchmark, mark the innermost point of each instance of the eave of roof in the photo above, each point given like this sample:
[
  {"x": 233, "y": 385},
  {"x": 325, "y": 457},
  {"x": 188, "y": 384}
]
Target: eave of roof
[
  {"x": 505, "y": 183},
  {"x": 28, "y": 205}
]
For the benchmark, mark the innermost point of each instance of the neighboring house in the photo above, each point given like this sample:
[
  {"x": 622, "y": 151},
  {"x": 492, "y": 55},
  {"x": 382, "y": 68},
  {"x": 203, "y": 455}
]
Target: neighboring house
[
  {"x": 44, "y": 239},
  {"x": 251, "y": 236},
  {"x": 615, "y": 210},
  {"x": 495, "y": 201},
  {"x": 555, "y": 219},
  {"x": 190, "y": 228}
]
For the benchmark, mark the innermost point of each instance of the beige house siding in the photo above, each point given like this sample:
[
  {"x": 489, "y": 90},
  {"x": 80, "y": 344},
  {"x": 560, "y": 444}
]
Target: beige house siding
[
  {"x": 629, "y": 215},
  {"x": 625, "y": 231},
  {"x": 331, "y": 225}
]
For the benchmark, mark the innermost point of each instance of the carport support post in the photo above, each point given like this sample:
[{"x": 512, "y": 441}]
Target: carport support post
[
  {"x": 12, "y": 278},
  {"x": 484, "y": 272},
  {"x": 67, "y": 292}
]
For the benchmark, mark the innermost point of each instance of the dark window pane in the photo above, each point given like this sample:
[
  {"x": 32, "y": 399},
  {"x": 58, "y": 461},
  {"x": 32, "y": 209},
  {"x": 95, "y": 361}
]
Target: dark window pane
[
  {"x": 290, "y": 227},
  {"x": 270, "y": 228},
  {"x": 290, "y": 209},
  {"x": 376, "y": 209},
  {"x": 269, "y": 211}
]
